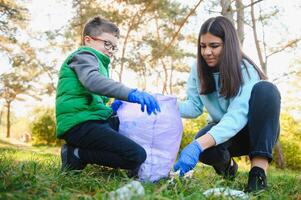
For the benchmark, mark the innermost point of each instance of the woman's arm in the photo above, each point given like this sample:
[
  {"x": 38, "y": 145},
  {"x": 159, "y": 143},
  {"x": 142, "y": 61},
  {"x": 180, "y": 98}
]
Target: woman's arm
[
  {"x": 206, "y": 141},
  {"x": 236, "y": 116},
  {"x": 192, "y": 107}
]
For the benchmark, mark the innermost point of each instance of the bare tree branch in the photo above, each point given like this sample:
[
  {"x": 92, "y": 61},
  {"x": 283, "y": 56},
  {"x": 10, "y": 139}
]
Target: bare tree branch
[
  {"x": 249, "y": 5},
  {"x": 130, "y": 28},
  {"x": 259, "y": 53},
  {"x": 177, "y": 32},
  {"x": 290, "y": 44}
]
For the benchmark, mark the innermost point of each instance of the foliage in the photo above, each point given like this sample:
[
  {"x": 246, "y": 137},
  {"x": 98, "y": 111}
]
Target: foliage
[
  {"x": 13, "y": 17},
  {"x": 290, "y": 139},
  {"x": 148, "y": 37},
  {"x": 191, "y": 128},
  {"x": 19, "y": 125},
  {"x": 20, "y": 80},
  {"x": 21, "y": 56},
  {"x": 43, "y": 128},
  {"x": 34, "y": 173}
]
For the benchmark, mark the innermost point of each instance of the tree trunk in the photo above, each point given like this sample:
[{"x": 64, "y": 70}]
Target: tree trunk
[
  {"x": 8, "y": 120},
  {"x": 259, "y": 53},
  {"x": 227, "y": 10},
  {"x": 171, "y": 78},
  {"x": 164, "y": 89},
  {"x": 1, "y": 117},
  {"x": 240, "y": 20},
  {"x": 279, "y": 153}
]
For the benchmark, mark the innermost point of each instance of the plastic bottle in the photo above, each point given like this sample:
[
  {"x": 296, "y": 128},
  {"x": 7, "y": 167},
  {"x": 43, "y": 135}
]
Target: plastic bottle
[{"x": 127, "y": 192}]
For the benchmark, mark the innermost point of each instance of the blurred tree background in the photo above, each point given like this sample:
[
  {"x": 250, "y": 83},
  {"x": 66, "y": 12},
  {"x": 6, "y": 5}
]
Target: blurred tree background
[{"x": 157, "y": 46}]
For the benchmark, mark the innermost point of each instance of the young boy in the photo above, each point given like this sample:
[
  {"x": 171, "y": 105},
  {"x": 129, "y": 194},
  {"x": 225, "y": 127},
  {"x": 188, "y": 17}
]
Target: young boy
[{"x": 83, "y": 119}]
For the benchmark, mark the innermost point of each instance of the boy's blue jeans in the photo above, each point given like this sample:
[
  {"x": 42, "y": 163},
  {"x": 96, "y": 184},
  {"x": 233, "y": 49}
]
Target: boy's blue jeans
[
  {"x": 100, "y": 143},
  {"x": 257, "y": 138}
]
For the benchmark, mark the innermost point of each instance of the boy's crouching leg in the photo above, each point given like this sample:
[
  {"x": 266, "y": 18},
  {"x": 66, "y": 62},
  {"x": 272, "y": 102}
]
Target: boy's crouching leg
[
  {"x": 69, "y": 159},
  {"x": 135, "y": 162}
]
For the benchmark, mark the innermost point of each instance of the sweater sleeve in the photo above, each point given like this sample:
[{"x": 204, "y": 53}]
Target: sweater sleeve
[
  {"x": 236, "y": 116},
  {"x": 192, "y": 107},
  {"x": 85, "y": 65}
]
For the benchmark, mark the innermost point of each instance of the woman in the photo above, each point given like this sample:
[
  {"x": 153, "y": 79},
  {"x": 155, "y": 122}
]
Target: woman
[{"x": 244, "y": 109}]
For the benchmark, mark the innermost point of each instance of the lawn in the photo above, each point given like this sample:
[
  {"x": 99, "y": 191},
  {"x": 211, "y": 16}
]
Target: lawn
[{"x": 34, "y": 173}]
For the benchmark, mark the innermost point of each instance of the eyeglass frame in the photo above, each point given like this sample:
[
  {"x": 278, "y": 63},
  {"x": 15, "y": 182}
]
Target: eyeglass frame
[{"x": 107, "y": 44}]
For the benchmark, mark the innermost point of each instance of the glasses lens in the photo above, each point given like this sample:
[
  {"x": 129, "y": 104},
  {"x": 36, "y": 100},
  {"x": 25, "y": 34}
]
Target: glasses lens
[{"x": 108, "y": 45}]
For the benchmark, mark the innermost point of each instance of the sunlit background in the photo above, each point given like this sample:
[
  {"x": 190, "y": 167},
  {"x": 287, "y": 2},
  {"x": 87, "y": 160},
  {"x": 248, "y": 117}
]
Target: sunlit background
[
  {"x": 157, "y": 46},
  {"x": 49, "y": 22}
]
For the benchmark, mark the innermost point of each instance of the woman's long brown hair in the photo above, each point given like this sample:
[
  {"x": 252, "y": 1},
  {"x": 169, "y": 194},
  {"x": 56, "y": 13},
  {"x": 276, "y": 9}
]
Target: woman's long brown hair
[{"x": 230, "y": 62}]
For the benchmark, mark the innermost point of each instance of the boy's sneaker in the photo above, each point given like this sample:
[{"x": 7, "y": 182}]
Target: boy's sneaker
[
  {"x": 133, "y": 173},
  {"x": 229, "y": 171},
  {"x": 69, "y": 160},
  {"x": 257, "y": 180}
]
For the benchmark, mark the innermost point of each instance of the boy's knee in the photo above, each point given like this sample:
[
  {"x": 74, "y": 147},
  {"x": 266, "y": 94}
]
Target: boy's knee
[
  {"x": 140, "y": 155},
  {"x": 137, "y": 156}
]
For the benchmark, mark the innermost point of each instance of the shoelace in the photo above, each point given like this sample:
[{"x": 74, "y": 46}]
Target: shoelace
[{"x": 261, "y": 180}]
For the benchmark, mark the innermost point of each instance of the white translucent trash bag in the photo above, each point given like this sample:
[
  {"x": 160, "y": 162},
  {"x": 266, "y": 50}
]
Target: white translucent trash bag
[{"x": 160, "y": 135}]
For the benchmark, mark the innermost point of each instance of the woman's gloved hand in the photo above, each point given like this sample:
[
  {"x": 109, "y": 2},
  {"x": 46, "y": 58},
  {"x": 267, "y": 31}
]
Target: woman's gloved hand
[
  {"x": 189, "y": 157},
  {"x": 144, "y": 99}
]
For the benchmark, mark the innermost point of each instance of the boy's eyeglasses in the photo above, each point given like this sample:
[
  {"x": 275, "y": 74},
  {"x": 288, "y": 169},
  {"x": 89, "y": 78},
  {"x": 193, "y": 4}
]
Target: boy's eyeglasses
[{"x": 107, "y": 44}]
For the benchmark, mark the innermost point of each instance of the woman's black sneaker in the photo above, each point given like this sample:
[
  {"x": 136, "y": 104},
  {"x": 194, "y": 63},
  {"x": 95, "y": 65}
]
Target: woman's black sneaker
[
  {"x": 257, "y": 180},
  {"x": 69, "y": 160}
]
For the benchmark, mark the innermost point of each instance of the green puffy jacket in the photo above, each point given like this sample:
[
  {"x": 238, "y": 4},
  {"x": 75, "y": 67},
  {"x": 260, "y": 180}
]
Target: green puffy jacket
[{"x": 74, "y": 103}]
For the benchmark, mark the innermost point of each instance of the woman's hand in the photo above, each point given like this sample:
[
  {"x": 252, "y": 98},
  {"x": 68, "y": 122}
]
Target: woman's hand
[{"x": 189, "y": 157}]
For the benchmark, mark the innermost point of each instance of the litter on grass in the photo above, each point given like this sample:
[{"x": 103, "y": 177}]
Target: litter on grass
[
  {"x": 226, "y": 192},
  {"x": 133, "y": 189}
]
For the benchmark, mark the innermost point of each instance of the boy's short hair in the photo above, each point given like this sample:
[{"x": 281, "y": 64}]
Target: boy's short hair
[{"x": 98, "y": 25}]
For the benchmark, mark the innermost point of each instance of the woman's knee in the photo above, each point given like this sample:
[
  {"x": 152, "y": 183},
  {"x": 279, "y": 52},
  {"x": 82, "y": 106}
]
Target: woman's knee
[
  {"x": 266, "y": 91},
  {"x": 215, "y": 155}
]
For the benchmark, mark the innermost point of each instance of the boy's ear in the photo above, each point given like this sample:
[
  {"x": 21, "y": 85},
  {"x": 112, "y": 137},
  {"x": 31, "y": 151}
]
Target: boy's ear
[{"x": 86, "y": 40}]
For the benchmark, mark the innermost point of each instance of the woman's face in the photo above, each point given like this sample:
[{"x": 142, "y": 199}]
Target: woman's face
[{"x": 211, "y": 48}]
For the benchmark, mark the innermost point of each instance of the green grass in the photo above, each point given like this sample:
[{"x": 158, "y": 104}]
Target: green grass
[{"x": 34, "y": 173}]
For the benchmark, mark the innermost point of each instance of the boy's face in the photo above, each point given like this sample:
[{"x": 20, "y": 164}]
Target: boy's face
[{"x": 106, "y": 43}]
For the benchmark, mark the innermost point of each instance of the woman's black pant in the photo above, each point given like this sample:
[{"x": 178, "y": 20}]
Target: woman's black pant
[
  {"x": 257, "y": 138},
  {"x": 100, "y": 143}
]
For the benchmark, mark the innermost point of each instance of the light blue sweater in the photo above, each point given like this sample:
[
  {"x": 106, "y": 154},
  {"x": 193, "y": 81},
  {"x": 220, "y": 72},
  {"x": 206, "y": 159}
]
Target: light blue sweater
[{"x": 230, "y": 115}]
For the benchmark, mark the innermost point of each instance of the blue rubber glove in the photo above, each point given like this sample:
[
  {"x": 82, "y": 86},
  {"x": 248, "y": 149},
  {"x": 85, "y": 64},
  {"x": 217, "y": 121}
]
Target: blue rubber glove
[
  {"x": 115, "y": 105},
  {"x": 144, "y": 99},
  {"x": 189, "y": 157}
]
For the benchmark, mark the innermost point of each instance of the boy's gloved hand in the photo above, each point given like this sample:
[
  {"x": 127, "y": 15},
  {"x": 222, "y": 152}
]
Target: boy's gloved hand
[
  {"x": 143, "y": 99},
  {"x": 115, "y": 105},
  {"x": 189, "y": 157}
]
